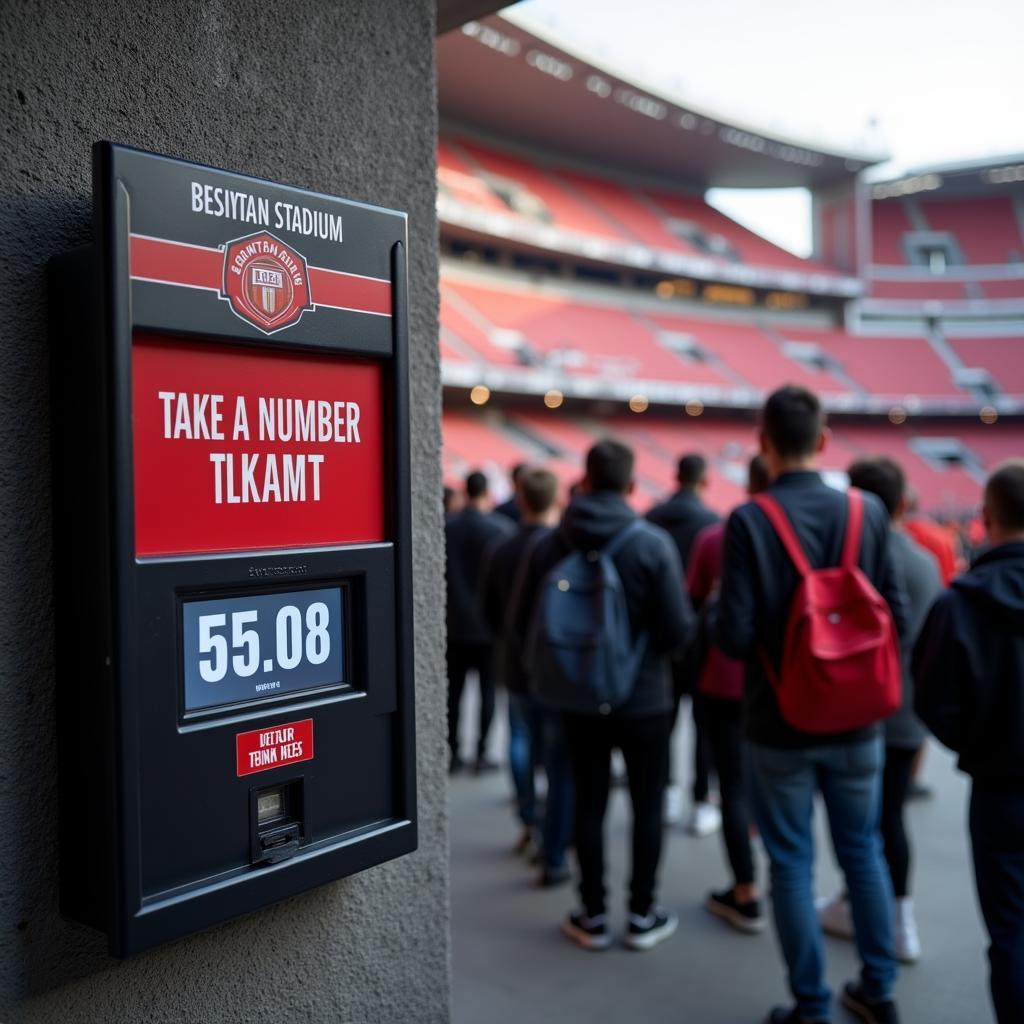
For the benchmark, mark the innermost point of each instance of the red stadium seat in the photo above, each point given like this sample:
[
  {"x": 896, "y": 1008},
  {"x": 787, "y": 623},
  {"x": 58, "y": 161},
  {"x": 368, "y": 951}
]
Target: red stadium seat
[
  {"x": 889, "y": 222},
  {"x": 751, "y": 354},
  {"x": 567, "y": 212},
  {"x": 583, "y": 339},
  {"x": 891, "y": 367},
  {"x": 986, "y": 228},
  {"x": 1002, "y": 357}
]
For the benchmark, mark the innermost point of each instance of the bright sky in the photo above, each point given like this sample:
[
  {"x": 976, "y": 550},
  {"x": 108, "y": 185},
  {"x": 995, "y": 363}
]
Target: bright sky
[{"x": 942, "y": 79}]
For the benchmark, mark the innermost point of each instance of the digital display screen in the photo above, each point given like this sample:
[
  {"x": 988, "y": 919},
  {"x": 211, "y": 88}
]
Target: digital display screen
[{"x": 261, "y": 645}]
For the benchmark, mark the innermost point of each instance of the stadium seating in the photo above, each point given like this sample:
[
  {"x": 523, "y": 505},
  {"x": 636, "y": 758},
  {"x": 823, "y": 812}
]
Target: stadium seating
[
  {"x": 889, "y": 222},
  {"x": 613, "y": 336},
  {"x": 750, "y": 353},
  {"x": 636, "y": 220},
  {"x": 745, "y": 246},
  {"x": 1012, "y": 288},
  {"x": 455, "y": 175},
  {"x": 1002, "y": 357},
  {"x": 887, "y": 367},
  {"x": 986, "y": 228},
  {"x": 587, "y": 205},
  {"x": 459, "y": 324},
  {"x": 580, "y": 338},
  {"x": 560, "y": 440},
  {"x": 565, "y": 210}
]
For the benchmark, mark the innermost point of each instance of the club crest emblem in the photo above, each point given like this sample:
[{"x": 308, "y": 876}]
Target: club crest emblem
[{"x": 265, "y": 281}]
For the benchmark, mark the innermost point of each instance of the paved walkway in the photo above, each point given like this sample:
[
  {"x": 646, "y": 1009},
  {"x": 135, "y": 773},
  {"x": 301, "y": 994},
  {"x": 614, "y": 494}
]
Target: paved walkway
[{"x": 512, "y": 966}]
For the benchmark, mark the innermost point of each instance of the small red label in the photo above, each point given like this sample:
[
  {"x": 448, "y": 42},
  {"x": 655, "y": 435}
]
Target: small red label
[{"x": 276, "y": 747}]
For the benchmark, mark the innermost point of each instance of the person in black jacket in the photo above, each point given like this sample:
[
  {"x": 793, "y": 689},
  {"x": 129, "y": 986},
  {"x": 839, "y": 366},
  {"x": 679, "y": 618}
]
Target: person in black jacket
[
  {"x": 969, "y": 677},
  {"x": 683, "y": 516},
  {"x": 535, "y": 733},
  {"x": 787, "y": 766},
  {"x": 652, "y": 579},
  {"x": 468, "y": 534},
  {"x": 510, "y": 507}
]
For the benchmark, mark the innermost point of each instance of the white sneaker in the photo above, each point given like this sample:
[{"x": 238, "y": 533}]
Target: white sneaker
[
  {"x": 834, "y": 916},
  {"x": 705, "y": 820},
  {"x": 673, "y": 813},
  {"x": 904, "y": 932}
]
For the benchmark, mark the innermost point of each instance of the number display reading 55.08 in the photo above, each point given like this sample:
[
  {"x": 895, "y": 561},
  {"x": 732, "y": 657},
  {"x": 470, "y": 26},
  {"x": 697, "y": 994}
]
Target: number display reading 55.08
[{"x": 245, "y": 648}]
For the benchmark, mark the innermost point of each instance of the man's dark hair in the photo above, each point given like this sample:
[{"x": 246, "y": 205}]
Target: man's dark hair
[
  {"x": 793, "y": 420},
  {"x": 537, "y": 489},
  {"x": 517, "y": 471},
  {"x": 610, "y": 466},
  {"x": 476, "y": 484},
  {"x": 1004, "y": 495},
  {"x": 882, "y": 476},
  {"x": 758, "y": 477},
  {"x": 692, "y": 469}
]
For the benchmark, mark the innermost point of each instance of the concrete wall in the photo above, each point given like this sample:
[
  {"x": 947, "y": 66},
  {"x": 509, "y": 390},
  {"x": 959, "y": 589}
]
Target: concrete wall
[{"x": 334, "y": 95}]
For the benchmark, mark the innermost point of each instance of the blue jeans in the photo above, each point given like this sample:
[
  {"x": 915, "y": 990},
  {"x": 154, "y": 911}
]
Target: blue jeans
[
  {"x": 783, "y": 784},
  {"x": 524, "y": 747},
  {"x": 536, "y": 737}
]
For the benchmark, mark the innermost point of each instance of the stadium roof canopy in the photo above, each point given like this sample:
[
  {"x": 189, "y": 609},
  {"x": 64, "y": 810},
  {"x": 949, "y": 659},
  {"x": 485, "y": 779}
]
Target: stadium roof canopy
[
  {"x": 962, "y": 178},
  {"x": 535, "y": 88}
]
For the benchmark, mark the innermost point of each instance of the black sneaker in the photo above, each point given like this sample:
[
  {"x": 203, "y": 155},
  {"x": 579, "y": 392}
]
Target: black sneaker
[
  {"x": 871, "y": 1011},
  {"x": 780, "y": 1015},
  {"x": 483, "y": 766},
  {"x": 588, "y": 932},
  {"x": 744, "y": 917},
  {"x": 455, "y": 764},
  {"x": 645, "y": 932}
]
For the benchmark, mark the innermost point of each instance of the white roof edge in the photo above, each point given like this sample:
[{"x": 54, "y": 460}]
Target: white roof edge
[
  {"x": 549, "y": 35},
  {"x": 978, "y": 163}
]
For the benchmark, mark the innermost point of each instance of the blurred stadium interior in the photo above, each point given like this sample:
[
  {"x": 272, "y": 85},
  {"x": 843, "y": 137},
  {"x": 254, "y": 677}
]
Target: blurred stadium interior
[{"x": 587, "y": 287}]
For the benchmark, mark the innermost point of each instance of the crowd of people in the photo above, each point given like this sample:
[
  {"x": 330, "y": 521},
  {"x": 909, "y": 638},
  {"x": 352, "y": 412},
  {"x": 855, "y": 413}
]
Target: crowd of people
[{"x": 818, "y": 634}]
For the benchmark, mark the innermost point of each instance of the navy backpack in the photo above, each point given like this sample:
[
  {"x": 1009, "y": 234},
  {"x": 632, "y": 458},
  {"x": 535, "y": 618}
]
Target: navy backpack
[{"x": 581, "y": 654}]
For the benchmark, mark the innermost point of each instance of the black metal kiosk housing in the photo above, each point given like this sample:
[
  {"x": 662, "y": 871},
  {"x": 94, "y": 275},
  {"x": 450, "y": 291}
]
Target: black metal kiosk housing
[{"x": 232, "y": 547}]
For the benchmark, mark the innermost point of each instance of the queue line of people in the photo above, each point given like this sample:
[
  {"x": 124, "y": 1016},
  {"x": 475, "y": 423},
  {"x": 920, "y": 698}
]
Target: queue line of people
[{"x": 801, "y": 585}]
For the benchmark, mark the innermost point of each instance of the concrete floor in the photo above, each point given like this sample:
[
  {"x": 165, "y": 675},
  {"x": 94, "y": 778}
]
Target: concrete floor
[{"x": 512, "y": 965}]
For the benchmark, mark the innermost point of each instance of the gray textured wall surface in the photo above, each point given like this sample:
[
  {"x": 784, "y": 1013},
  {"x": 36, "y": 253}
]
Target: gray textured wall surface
[{"x": 334, "y": 96}]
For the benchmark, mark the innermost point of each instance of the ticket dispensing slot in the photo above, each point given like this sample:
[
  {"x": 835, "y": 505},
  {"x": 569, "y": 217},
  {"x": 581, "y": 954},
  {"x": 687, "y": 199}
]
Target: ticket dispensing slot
[{"x": 278, "y": 823}]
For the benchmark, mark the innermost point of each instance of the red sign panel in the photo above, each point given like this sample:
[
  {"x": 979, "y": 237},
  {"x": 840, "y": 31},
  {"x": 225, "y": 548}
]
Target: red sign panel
[
  {"x": 263, "y": 749},
  {"x": 239, "y": 449}
]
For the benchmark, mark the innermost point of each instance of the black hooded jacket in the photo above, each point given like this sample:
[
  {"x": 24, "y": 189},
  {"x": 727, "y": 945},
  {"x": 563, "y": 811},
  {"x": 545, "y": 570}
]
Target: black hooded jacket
[
  {"x": 683, "y": 516},
  {"x": 468, "y": 534},
  {"x": 652, "y": 578},
  {"x": 969, "y": 669}
]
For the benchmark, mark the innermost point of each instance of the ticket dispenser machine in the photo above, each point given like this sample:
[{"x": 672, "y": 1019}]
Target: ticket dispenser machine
[{"x": 232, "y": 547}]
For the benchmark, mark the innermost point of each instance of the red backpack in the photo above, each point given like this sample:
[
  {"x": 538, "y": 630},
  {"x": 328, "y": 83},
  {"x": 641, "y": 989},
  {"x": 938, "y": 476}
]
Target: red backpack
[{"x": 841, "y": 665}]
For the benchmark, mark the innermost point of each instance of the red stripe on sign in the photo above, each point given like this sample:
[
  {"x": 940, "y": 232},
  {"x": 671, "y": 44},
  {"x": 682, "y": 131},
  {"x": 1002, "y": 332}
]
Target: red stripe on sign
[
  {"x": 190, "y": 265},
  {"x": 346, "y": 291},
  {"x": 196, "y": 266},
  {"x": 274, "y": 747}
]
